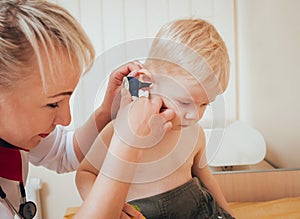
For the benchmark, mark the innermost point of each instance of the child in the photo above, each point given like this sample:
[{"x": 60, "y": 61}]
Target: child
[{"x": 188, "y": 66}]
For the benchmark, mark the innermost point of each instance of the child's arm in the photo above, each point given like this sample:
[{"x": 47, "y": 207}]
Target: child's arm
[
  {"x": 90, "y": 166},
  {"x": 201, "y": 170}
]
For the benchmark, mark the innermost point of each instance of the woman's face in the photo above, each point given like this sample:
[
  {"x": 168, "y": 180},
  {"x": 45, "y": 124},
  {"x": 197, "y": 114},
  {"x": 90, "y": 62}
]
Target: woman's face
[{"x": 29, "y": 112}]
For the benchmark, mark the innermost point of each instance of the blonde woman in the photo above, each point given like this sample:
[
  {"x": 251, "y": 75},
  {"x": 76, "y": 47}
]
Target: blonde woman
[{"x": 43, "y": 53}]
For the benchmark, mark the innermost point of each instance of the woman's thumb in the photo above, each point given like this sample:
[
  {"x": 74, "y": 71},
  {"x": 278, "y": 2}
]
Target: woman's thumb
[{"x": 125, "y": 97}]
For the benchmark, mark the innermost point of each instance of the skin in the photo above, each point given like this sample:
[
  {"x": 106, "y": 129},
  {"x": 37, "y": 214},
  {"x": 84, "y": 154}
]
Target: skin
[
  {"x": 108, "y": 109},
  {"x": 182, "y": 94},
  {"x": 29, "y": 112},
  {"x": 188, "y": 100},
  {"x": 114, "y": 190}
]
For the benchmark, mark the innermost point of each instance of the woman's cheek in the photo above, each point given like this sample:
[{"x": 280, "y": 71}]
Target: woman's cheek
[{"x": 48, "y": 117}]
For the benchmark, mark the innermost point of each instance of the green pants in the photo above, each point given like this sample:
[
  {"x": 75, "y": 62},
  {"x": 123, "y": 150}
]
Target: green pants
[{"x": 189, "y": 201}]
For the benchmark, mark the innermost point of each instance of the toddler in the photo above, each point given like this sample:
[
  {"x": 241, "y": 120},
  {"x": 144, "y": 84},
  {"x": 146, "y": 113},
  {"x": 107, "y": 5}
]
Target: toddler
[{"x": 188, "y": 66}]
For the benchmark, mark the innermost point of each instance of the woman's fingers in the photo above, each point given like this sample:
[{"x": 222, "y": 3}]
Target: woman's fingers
[
  {"x": 125, "y": 98},
  {"x": 131, "y": 212},
  {"x": 156, "y": 103},
  {"x": 168, "y": 115},
  {"x": 126, "y": 69},
  {"x": 140, "y": 123}
]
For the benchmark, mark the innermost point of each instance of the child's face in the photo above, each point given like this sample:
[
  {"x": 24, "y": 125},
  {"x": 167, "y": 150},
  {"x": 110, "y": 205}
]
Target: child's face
[{"x": 182, "y": 94}]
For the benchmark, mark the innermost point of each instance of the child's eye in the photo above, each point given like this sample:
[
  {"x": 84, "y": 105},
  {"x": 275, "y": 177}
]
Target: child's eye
[
  {"x": 185, "y": 103},
  {"x": 53, "y": 105}
]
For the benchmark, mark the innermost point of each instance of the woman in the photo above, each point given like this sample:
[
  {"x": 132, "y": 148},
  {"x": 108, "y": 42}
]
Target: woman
[{"x": 44, "y": 51}]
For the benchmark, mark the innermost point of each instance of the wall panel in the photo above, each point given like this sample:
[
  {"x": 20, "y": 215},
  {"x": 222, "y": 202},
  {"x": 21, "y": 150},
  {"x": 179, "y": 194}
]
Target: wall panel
[{"x": 110, "y": 23}]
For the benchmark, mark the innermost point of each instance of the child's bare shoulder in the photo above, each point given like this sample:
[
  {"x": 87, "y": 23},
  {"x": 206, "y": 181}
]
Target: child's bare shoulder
[
  {"x": 198, "y": 133},
  {"x": 198, "y": 129}
]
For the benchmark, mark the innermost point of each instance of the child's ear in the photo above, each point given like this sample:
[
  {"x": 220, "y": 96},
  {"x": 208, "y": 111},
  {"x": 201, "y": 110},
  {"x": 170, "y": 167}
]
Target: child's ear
[{"x": 144, "y": 75}]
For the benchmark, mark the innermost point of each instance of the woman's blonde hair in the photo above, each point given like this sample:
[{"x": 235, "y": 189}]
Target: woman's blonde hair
[
  {"x": 29, "y": 28},
  {"x": 194, "y": 45}
]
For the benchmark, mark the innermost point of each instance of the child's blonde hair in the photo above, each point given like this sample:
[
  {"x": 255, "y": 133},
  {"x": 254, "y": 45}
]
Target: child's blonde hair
[
  {"x": 194, "y": 45},
  {"x": 29, "y": 28}
]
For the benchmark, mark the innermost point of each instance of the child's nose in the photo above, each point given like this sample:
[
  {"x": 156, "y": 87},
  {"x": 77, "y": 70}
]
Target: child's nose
[{"x": 191, "y": 116}]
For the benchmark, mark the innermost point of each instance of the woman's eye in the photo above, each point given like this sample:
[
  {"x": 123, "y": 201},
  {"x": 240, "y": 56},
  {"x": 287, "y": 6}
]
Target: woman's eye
[{"x": 52, "y": 105}]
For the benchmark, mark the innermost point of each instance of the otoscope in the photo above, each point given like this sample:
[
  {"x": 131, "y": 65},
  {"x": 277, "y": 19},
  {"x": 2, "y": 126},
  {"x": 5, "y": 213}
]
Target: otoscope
[{"x": 134, "y": 85}]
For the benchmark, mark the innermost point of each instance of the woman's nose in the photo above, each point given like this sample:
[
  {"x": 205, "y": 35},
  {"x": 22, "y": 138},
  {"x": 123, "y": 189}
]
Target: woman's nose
[{"x": 63, "y": 115}]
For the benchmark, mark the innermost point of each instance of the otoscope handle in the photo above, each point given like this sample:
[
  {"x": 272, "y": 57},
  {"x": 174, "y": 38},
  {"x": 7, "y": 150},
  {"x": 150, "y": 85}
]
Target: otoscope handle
[{"x": 135, "y": 85}]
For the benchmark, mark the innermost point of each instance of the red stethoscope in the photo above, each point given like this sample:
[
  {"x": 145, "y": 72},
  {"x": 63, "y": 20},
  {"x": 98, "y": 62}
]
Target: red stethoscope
[{"x": 27, "y": 209}]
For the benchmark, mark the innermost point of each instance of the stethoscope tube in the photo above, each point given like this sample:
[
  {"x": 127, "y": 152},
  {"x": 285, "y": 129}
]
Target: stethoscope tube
[
  {"x": 11, "y": 207},
  {"x": 27, "y": 208}
]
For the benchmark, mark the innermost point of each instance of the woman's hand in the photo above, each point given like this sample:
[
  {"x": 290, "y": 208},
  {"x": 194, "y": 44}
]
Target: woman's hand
[
  {"x": 111, "y": 102},
  {"x": 129, "y": 212},
  {"x": 140, "y": 123},
  {"x": 86, "y": 134}
]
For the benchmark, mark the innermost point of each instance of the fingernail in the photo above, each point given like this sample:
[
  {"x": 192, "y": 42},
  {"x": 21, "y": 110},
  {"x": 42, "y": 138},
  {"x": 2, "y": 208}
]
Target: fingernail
[{"x": 133, "y": 73}]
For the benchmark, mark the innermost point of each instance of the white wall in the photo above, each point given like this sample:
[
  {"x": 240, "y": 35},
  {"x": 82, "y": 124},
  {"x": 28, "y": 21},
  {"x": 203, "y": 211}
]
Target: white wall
[
  {"x": 268, "y": 71},
  {"x": 269, "y": 74},
  {"x": 109, "y": 23},
  {"x": 58, "y": 192}
]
